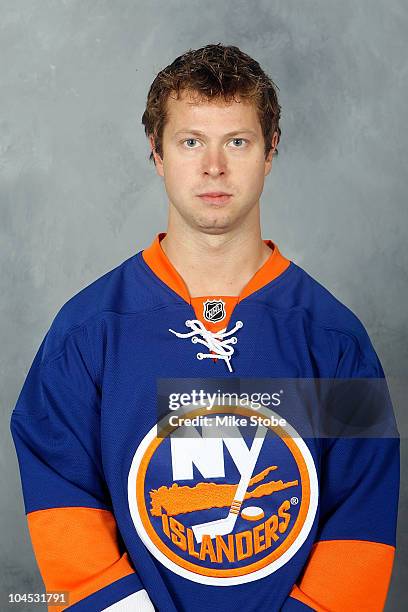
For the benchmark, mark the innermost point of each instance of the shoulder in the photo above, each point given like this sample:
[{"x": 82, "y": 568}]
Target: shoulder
[
  {"x": 124, "y": 289},
  {"x": 346, "y": 331},
  {"x": 323, "y": 305}
]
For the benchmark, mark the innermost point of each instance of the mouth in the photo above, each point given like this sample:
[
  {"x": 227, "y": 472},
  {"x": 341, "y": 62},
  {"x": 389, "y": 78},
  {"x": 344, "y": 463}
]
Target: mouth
[{"x": 215, "y": 197}]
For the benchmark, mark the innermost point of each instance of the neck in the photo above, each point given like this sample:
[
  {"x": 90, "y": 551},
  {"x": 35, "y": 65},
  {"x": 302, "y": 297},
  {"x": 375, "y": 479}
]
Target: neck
[{"x": 215, "y": 264}]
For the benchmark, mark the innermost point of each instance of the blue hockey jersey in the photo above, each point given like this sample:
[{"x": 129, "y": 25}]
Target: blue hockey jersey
[{"x": 126, "y": 517}]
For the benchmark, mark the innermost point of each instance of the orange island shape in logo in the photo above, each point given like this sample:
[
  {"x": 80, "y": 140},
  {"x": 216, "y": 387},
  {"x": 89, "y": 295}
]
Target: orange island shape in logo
[{"x": 207, "y": 495}]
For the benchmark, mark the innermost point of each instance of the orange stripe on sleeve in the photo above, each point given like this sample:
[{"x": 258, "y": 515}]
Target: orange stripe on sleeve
[
  {"x": 77, "y": 550},
  {"x": 346, "y": 575}
]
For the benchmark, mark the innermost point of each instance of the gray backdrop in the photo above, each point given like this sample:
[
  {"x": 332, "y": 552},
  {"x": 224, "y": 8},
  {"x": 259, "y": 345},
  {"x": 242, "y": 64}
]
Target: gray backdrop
[{"x": 78, "y": 195}]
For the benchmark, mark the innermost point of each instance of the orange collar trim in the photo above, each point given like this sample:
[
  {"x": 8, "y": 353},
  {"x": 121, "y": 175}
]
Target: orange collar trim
[{"x": 159, "y": 263}]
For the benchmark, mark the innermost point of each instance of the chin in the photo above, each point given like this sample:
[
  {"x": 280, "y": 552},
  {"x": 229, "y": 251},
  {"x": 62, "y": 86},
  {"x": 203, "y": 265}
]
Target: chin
[
  {"x": 215, "y": 225},
  {"x": 214, "y": 231}
]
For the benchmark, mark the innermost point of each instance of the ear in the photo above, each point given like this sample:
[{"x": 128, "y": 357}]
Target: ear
[
  {"x": 275, "y": 139},
  {"x": 158, "y": 160},
  {"x": 268, "y": 159}
]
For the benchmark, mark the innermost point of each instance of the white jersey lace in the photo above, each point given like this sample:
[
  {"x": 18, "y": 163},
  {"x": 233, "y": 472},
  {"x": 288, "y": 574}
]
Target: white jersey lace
[{"x": 220, "y": 342}]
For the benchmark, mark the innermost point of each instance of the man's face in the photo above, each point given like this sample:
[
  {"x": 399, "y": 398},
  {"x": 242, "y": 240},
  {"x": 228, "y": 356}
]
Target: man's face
[{"x": 212, "y": 147}]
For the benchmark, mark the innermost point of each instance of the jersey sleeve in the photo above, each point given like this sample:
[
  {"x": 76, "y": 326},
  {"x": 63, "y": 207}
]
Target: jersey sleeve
[
  {"x": 55, "y": 427},
  {"x": 351, "y": 560}
]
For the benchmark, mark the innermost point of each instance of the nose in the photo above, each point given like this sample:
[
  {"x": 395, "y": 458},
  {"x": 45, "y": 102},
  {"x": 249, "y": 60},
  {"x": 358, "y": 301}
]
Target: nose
[{"x": 214, "y": 162}]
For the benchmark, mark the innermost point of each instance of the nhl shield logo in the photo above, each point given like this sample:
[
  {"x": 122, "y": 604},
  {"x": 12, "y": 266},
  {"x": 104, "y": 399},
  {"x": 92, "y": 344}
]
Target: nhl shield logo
[{"x": 214, "y": 310}]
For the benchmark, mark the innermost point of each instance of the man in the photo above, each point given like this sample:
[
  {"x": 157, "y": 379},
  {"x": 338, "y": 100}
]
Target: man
[{"x": 126, "y": 513}]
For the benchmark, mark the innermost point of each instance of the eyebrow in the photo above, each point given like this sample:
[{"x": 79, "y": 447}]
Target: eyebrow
[{"x": 198, "y": 133}]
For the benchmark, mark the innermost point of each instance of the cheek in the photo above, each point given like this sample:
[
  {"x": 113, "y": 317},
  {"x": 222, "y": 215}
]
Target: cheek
[
  {"x": 180, "y": 179},
  {"x": 171, "y": 170},
  {"x": 251, "y": 173},
  {"x": 177, "y": 166},
  {"x": 251, "y": 164}
]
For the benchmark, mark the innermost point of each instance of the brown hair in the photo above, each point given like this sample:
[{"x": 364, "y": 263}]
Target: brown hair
[{"x": 214, "y": 71}]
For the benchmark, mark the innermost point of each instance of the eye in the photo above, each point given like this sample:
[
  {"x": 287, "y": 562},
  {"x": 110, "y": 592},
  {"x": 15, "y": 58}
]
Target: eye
[
  {"x": 240, "y": 142},
  {"x": 190, "y": 140}
]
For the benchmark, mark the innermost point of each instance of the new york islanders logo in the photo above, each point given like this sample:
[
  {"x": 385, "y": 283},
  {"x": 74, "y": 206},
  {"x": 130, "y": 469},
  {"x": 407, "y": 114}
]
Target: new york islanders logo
[
  {"x": 223, "y": 510},
  {"x": 214, "y": 310}
]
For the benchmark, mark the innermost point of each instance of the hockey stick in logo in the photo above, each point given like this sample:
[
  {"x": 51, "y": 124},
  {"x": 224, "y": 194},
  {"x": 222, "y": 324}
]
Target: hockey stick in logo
[{"x": 226, "y": 525}]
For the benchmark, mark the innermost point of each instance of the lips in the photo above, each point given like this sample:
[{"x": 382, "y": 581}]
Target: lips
[{"x": 215, "y": 196}]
